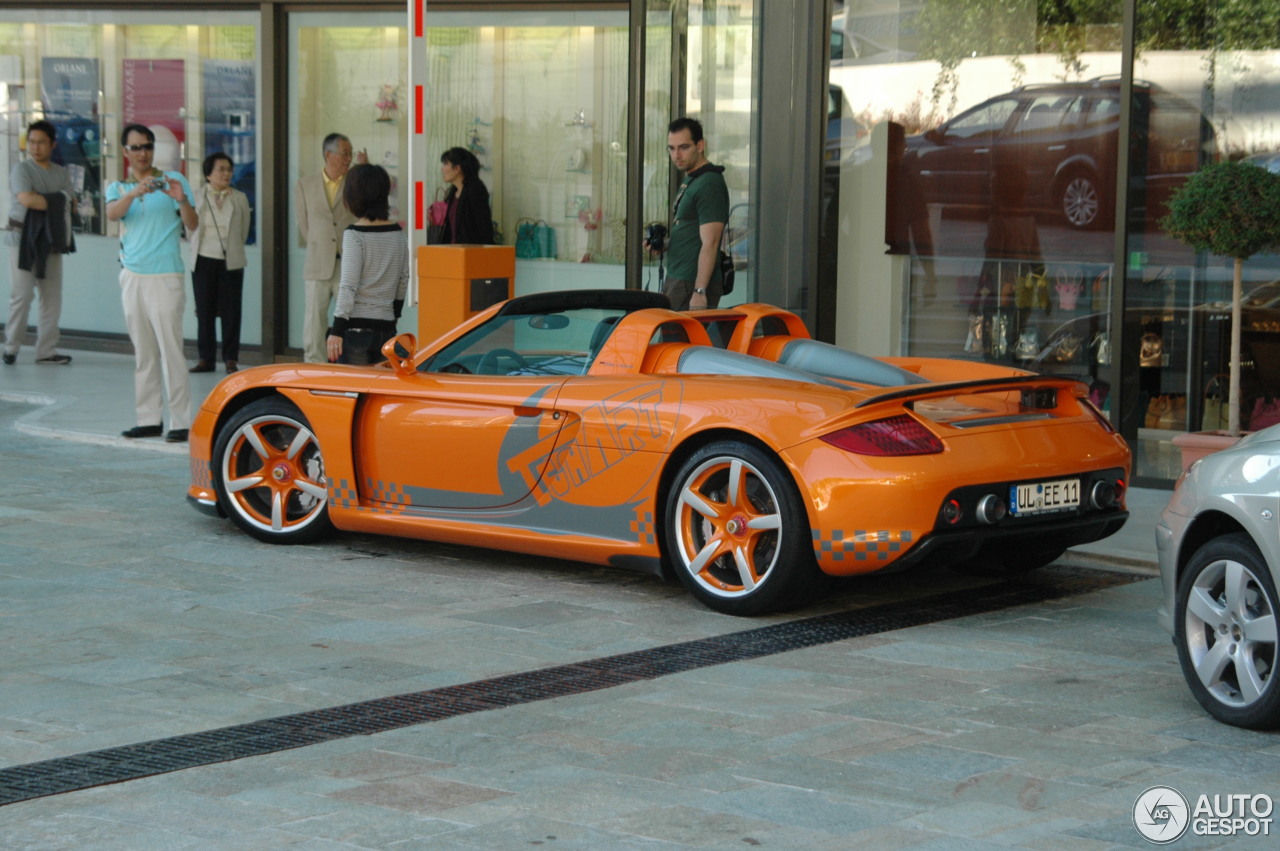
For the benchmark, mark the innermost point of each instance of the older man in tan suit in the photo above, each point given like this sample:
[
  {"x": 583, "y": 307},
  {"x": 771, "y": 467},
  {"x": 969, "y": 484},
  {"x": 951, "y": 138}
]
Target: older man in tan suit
[{"x": 322, "y": 217}]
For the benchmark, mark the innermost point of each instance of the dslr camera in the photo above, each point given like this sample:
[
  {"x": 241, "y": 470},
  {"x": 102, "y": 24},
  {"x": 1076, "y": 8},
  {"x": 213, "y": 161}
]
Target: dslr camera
[{"x": 655, "y": 234}]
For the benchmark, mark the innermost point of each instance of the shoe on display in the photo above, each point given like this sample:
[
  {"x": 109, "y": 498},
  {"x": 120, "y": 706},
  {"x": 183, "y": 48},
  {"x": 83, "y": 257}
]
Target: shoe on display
[
  {"x": 143, "y": 431},
  {"x": 177, "y": 435},
  {"x": 58, "y": 360}
]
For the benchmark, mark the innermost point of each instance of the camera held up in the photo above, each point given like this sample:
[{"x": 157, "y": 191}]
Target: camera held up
[{"x": 655, "y": 234}]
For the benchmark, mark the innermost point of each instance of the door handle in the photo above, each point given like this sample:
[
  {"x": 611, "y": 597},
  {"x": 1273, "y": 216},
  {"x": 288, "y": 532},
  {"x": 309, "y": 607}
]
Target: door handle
[
  {"x": 982, "y": 150},
  {"x": 1057, "y": 147}
]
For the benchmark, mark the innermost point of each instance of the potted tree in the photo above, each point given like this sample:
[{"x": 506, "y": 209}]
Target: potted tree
[{"x": 1229, "y": 208}]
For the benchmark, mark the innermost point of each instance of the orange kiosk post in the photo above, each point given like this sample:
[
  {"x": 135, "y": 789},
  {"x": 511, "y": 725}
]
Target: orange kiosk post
[{"x": 455, "y": 282}]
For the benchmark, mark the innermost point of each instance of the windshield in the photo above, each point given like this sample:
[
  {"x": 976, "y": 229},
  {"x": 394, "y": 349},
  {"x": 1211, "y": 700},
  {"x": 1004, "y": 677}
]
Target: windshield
[{"x": 561, "y": 343}]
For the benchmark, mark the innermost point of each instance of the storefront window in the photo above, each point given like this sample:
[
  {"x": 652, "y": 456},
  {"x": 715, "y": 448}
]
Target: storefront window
[
  {"x": 191, "y": 77},
  {"x": 541, "y": 99},
  {"x": 971, "y": 161},
  {"x": 1218, "y": 64},
  {"x": 349, "y": 80}
]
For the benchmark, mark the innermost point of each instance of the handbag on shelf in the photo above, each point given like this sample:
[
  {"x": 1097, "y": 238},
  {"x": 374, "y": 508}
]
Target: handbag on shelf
[
  {"x": 1266, "y": 412},
  {"x": 1029, "y": 344},
  {"x": 1066, "y": 348},
  {"x": 1101, "y": 292},
  {"x": 1216, "y": 414},
  {"x": 535, "y": 239},
  {"x": 975, "y": 342},
  {"x": 999, "y": 334},
  {"x": 1100, "y": 345},
  {"x": 1151, "y": 350},
  {"x": 1069, "y": 286},
  {"x": 1167, "y": 412},
  {"x": 1031, "y": 290}
]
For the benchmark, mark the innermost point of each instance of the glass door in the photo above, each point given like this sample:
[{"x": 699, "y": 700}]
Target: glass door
[{"x": 350, "y": 77}]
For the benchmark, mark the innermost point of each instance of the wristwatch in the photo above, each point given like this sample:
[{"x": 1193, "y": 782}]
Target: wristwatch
[{"x": 699, "y": 290}]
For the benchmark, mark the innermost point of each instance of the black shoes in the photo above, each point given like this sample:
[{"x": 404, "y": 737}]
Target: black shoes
[
  {"x": 202, "y": 366},
  {"x": 232, "y": 366},
  {"x": 175, "y": 435},
  {"x": 10, "y": 358},
  {"x": 57, "y": 360}
]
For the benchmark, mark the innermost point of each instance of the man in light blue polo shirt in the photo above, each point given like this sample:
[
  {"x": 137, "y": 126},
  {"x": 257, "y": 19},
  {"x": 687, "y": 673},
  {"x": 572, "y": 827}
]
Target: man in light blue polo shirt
[{"x": 153, "y": 207}]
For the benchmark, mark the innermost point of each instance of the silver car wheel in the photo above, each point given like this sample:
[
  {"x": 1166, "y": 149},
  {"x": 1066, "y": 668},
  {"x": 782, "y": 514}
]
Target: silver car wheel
[{"x": 1231, "y": 632}]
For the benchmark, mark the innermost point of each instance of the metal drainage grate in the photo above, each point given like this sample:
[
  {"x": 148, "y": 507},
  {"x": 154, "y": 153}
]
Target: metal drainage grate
[{"x": 145, "y": 759}]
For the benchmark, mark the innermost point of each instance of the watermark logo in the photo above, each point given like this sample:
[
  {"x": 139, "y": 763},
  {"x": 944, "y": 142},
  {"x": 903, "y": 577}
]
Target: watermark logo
[{"x": 1161, "y": 815}]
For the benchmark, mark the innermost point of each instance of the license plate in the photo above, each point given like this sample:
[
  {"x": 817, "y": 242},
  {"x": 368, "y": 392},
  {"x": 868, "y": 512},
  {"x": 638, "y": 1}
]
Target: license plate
[{"x": 1044, "y": 496}]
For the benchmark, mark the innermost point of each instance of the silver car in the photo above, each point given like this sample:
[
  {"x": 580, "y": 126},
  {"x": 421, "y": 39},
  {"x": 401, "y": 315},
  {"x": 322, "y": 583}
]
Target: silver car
[{"x": 1219, "y": 547}]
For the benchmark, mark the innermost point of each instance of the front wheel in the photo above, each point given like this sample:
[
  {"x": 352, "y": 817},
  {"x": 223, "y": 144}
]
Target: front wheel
[
  {"x": 737, "y": 532},
  {"x": 269, "y": 473},
  {"x": 1225, "y": 632}
]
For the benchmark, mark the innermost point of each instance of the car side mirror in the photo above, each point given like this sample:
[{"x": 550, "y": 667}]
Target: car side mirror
[
  {"x": 934, "y": 136},
  {"x": 399, "y": 351}
]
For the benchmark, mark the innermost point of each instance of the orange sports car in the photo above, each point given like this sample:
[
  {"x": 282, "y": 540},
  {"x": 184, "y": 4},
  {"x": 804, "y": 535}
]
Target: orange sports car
[{"x": 724, "y": 447}]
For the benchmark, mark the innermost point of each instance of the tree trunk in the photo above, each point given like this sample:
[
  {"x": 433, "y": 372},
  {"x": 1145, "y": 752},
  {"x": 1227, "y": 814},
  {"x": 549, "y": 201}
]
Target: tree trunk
[{"x": 1233, "y": 392}]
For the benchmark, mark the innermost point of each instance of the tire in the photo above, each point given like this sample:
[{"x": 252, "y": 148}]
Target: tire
[
  {"x": 1225, "y": 630},
  {"x": 1005, "y": 560},
  {"x": 737, "y": 533},
  {"x": 1081, "y": 201},
  {"x": 269, "y": 473}
]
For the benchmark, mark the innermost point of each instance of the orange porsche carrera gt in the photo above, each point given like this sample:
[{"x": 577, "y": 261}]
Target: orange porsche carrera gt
[{"x": 724, "y": 447}]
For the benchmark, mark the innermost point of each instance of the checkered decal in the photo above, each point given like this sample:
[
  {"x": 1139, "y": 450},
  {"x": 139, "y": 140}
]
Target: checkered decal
[
  {"x": 202, "y": 473},
  {"x": 342, "y": 495},
  {"x": 642, "y": 527},
  {"x": 860, "y": 545}
]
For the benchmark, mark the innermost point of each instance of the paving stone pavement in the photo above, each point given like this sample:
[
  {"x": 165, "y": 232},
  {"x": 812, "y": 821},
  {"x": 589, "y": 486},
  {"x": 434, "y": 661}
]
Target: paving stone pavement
[{"x": 126, "y": 617}]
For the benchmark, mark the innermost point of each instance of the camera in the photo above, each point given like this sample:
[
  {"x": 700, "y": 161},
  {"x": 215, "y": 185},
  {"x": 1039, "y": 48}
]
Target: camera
[
  {"x": 160, "y": 183},
  {"x": 656, "y": 235}
]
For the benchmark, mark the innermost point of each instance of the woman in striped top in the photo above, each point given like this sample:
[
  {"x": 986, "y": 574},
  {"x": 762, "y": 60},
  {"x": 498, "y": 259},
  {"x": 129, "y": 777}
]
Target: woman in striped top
[{"x": 375, "y": 271}]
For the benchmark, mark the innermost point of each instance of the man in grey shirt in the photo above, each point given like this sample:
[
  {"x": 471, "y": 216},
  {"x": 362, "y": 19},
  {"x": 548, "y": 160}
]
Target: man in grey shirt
[{"x": 34, "y": 181}]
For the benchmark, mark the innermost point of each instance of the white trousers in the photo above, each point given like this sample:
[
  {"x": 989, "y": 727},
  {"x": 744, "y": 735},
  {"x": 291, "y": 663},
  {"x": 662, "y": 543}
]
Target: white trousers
[
  {"x": 153, "y": 306},
  {"x": 315, "y": 320},
  {"x": 22, "y": 293}
]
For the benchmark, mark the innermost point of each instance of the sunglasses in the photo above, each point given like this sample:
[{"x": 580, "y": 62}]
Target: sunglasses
[{"x": 146, "y": 146}]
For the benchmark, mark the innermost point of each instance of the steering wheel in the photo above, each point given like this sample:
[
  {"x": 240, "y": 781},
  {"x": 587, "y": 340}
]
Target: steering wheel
[
  {"x": 455, "y": 367},
  {"x": 491, "y": 358}
]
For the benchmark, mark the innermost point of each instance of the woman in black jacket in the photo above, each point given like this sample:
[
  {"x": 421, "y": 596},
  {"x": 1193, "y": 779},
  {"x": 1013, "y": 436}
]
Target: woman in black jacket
[{"x": 469, "y": 219}]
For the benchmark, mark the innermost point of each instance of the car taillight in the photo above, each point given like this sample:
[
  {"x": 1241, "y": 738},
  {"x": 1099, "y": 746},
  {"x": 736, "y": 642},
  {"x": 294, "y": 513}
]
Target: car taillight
[{"x": 900, "y": 435}]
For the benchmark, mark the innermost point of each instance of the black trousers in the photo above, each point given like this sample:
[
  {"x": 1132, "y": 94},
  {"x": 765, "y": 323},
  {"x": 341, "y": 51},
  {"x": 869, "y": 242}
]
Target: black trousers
[
  {"x": 363, "y": 340},
  {"x": 219, "y": 291}
]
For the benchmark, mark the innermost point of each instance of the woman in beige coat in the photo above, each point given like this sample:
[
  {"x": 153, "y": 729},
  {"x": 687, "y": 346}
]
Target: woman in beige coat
[{"x": 218, "y": 261}]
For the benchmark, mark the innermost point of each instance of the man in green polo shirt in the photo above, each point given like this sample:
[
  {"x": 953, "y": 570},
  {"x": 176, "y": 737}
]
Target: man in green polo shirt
[{"x": 698, "y": 217}]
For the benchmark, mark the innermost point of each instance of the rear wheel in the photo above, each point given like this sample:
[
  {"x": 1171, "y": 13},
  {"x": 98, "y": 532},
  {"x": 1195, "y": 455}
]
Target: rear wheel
[
  {"x": 737, "y": 532},
  {"x": 1082, "y": 201},
  {"x": 269, "y": 473},
  {"x": 1225, "y": 631}
]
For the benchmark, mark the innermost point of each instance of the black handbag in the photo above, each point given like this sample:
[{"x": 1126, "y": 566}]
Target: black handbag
[{"x": 727, "y": 272}]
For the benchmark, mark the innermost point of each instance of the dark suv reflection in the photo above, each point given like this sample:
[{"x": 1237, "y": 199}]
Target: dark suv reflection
[{"x": 1065, "y": 136}]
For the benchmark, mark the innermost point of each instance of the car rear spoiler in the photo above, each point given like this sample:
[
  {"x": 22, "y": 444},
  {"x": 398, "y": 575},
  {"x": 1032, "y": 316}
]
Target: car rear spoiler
[{"x": 1028, "y": 384}]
